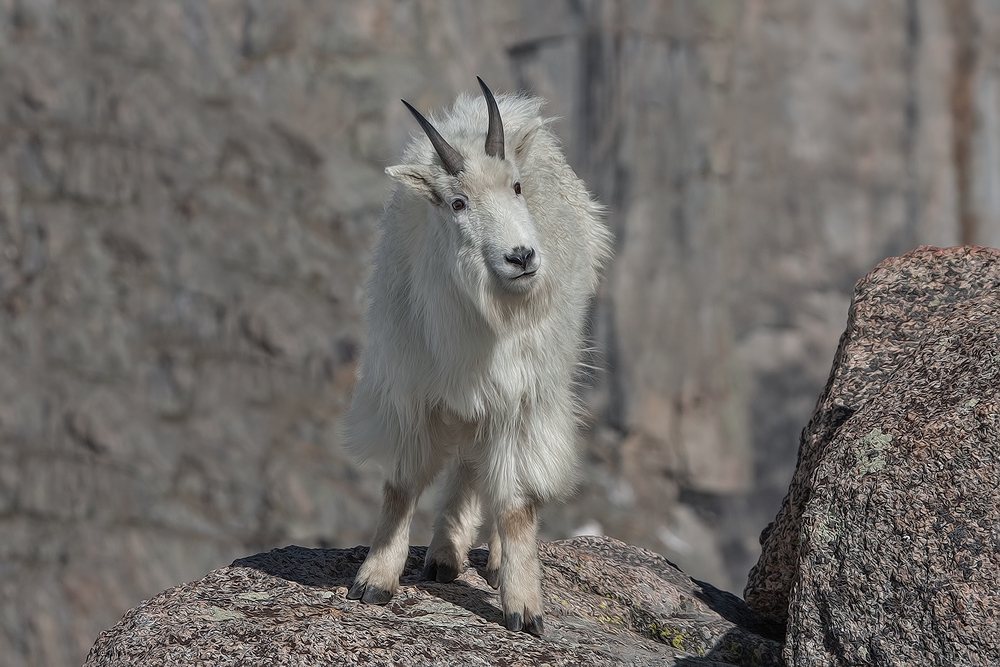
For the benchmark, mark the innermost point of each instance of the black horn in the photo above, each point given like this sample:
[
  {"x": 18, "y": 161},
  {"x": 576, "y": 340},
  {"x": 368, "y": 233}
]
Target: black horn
[
  {"x": 451, "y": 159},
  {"x": 494, "y": 135}
]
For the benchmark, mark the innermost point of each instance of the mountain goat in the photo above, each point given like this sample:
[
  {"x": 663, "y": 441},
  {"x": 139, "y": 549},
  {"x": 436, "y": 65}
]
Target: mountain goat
[{"x": 488, "y": 256}]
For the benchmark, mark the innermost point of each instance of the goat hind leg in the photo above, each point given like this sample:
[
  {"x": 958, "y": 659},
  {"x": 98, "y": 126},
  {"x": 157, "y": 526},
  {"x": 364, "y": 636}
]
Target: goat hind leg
[
  {"x": 520, "y": 569},
  {"x": 496, "y": 556},
  {"x": 455, "y": 526}
]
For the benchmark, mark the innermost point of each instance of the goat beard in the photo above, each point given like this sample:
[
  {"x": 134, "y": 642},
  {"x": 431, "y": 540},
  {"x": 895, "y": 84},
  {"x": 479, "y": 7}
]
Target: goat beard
[
  {"x": 509, "y": 311},
  {"x": 506, "y": 311}
]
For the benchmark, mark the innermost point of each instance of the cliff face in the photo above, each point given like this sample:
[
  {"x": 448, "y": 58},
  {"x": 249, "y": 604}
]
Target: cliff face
[{"x": 188, "y": 195}]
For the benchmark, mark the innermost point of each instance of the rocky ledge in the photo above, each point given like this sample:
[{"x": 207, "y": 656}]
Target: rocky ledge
[{"x": 606, "y": 604}]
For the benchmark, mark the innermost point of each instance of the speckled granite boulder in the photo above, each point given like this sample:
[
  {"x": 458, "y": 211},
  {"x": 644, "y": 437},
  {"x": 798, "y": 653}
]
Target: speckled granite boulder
[
  {"x": 887, "y": 547},
  {"x": 606, "y": 604}
]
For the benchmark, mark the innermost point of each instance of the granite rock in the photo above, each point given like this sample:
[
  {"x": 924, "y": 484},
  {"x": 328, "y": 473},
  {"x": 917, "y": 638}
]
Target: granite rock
[
  {"x": 606, "y": 604},
  {"x": 886, "y": 549}
]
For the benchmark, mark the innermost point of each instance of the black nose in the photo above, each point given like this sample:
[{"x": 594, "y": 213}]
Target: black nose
[{"x": 520, "y": 256}]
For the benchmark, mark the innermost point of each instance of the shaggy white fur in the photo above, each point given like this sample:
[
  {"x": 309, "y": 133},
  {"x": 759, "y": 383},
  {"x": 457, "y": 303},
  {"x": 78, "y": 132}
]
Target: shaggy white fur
[{"x": 478, "y": 297}]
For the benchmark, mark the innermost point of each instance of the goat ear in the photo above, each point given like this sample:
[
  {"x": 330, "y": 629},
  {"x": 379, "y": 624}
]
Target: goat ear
[
  {"x": 521, "y": 141},
  {"x": 416, "y": 177}
]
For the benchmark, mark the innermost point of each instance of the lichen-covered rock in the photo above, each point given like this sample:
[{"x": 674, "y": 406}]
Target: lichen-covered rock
[
  {"x": 887, "y": 548},
  {"x": 606, "y": 604}
]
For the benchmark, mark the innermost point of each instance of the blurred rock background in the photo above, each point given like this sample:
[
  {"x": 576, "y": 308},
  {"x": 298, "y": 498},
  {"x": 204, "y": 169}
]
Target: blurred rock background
[{"x": 188, "y": 196}]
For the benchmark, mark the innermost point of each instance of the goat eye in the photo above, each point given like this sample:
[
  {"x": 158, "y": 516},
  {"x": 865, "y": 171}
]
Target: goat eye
[
  {"x": 457, "y": 205},
  {"x": 517, "y": 188}
]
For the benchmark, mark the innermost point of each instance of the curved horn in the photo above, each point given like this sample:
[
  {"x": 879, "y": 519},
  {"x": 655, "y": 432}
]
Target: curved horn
[
  {"x": 452, "y": 159},
  {"x": 494, "y": 135}
]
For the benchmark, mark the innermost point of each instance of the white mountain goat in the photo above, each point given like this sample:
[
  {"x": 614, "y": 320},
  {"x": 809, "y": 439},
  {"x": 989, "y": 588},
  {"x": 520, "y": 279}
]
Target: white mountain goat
[{"x": 489, "y": 255}]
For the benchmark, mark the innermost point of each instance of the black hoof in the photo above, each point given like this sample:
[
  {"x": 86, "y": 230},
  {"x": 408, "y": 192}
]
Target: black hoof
[
  {"x": 534, "y": 625},
  {"x": 368, "y": 594},
  {"x": 375, "y": 595},
  {"x": 493, "y": 578},
  {"x": 356, "y": 590},
  {"x": 513, "y": 622},
  {"x": 439, "y": 572}
]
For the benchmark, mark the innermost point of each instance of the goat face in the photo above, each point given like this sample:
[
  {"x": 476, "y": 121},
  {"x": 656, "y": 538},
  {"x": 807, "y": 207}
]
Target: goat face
[
  {"x": 487, "y": 232},
  {"x": 482, "y": 231},
  {"x": 493, "y": 227}
]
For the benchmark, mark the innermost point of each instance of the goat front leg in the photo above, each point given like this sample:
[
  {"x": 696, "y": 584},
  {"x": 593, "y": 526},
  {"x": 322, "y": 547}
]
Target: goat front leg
[
  {"x": 378, "y": 578},
  {"x": 520, "y": 569},
  {"x": 455, "y": 526}
]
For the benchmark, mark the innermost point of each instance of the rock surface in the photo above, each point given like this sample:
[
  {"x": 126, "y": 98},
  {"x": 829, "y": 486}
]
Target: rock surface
[
  {"x": 606, "y": 604},
  {"x": 887, "y": 548}
]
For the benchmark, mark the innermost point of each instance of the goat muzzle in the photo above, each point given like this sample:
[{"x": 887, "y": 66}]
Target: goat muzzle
[{"x": 526, "y": 258}]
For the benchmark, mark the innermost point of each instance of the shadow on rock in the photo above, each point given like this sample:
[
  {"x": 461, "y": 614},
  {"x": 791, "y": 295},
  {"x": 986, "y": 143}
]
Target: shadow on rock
[
  {"x": 331, "y": 568},
  {"x": 470, "y": 598},
  {"x": 323, "y": 568},
  {"x": 735, "y": 649},
  {"x": 733, "y": 609}
]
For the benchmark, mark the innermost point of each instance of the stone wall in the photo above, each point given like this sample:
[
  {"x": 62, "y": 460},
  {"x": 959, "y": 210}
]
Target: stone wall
[{"x": 188, "y": 195}]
